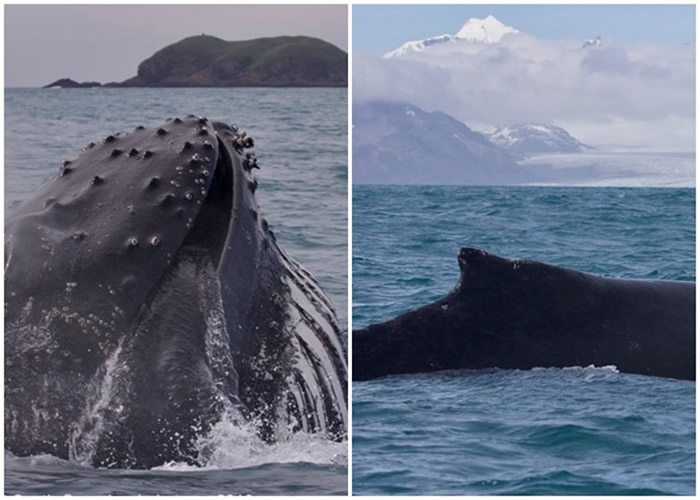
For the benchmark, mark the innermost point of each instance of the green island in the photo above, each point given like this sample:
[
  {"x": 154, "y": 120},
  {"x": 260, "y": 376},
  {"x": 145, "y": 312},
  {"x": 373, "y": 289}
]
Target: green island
[{"x": 208, "y": 61}]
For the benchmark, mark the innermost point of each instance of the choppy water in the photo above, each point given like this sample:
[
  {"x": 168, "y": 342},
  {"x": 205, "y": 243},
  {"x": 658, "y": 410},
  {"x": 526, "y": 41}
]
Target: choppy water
[
  {"x": 543, "y": 431},
  {"x": 301, "y": 144}
]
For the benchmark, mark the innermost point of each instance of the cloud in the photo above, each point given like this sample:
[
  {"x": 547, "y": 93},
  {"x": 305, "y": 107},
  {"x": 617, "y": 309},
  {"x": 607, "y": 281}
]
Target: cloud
[
  {"x": 525, "y": 79},
  {"x": 612, "y": 60}
]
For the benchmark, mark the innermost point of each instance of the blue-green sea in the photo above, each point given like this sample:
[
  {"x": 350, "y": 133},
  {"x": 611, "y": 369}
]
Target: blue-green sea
[
  {"x": 301, "y": 144},
  {"x": 574, "y": 431}
]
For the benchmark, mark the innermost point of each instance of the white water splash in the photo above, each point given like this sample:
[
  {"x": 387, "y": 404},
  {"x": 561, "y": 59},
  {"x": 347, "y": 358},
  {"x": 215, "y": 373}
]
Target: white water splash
[
  {"x": 608, "y": 368},
  {"x": 103, "y": 403},
  {"x": 590, "y": 373},
  {"x": 230, "y": 445}
]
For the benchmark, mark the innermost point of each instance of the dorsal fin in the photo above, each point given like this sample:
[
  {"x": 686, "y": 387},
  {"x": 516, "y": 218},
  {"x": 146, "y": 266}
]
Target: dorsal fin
[
  {"x": 478, "y": 267},
  {"x": 474, "y": 259}
]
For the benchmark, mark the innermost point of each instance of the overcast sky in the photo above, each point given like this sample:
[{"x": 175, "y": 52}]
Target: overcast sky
[
  {"x": 636, "y": 91},
  {"x": 107, "y": 42}
]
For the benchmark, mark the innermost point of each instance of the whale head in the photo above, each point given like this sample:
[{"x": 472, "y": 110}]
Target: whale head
[{"x": 141, "y": 286}]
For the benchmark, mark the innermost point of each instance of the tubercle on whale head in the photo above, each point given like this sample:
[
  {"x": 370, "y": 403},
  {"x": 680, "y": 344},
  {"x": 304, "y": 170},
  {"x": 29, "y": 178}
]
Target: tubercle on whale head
[
  {"x": 161, "y": 163},
  {"x": 133, "y": 173},
  {"x": 235, "y": 185}
]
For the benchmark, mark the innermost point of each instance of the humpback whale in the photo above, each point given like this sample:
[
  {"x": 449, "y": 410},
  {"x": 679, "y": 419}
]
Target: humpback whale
[
  {"x": 520, "y": 314},
  {"x": 146, "y": 300}
]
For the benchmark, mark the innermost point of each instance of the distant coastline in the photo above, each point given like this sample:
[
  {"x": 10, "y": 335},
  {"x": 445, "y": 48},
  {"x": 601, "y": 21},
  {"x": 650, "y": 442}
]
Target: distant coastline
[{"x": 206, "y": 61}]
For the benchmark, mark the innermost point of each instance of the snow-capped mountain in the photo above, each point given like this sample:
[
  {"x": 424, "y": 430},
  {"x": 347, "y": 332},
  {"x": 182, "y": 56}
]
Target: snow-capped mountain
[
  {"x": 489, "y": 30},
  {"x": 418, "y": 45},
  {"x": 529, "y": 139},
  {"x": 593, "y": 42},
  {"x": 398, "y": 143}
]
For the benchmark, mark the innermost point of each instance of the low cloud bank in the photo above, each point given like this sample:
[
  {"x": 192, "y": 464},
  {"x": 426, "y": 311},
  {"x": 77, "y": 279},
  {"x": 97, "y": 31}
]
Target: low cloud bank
[{"x": 638, "y": 97}]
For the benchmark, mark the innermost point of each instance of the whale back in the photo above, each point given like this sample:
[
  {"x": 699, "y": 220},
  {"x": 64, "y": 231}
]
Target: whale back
[{"x": 524, "y": 314}]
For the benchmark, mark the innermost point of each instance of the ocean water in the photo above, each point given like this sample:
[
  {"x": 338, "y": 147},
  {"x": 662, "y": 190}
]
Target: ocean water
[
  {"x": 580, "y": 430},
  {"x": 301, "y": 144}
]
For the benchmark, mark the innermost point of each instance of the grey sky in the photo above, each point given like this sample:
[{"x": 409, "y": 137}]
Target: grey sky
[{"x": 107, "y": 42}]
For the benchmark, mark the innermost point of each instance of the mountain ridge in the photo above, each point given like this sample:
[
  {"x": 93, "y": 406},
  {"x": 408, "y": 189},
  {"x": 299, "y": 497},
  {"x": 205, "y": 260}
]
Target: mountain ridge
[
  {"x": 395, "y": 142},
  {"x": 399, "y": 143}
]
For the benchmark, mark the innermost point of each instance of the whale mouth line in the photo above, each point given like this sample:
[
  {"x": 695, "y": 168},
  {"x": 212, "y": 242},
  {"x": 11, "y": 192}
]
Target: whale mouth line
[
  {"x": 211, "y": 226},
  {"x": 207, "y": 237}
]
